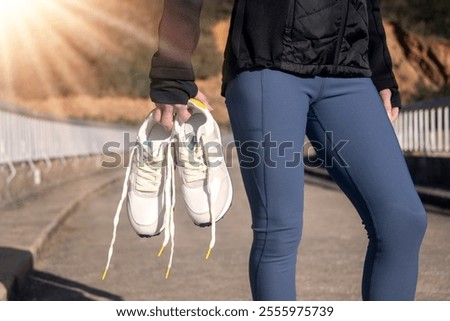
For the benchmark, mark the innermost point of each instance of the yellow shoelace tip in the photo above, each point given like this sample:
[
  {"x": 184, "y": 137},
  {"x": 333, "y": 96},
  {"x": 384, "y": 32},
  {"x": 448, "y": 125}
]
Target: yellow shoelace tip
[
  {"x": 208, "y": 253},
  {"x": 104, "y": 275},
  {"x": 167, "y": 273},
  {"x": 161, "y": 251}
]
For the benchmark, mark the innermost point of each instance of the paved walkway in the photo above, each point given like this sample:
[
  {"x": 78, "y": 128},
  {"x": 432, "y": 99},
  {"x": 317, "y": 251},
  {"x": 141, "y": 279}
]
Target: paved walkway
[
  {"x": 26, "y": 226},
  {"x": 329, "y": 266}
]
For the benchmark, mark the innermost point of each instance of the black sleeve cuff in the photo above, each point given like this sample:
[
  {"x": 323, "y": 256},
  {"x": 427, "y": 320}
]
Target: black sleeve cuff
[
  {"x": 389, "y": 82},
  {"x": 166, "y": 91},
  {"x": 396, "y": 100}
]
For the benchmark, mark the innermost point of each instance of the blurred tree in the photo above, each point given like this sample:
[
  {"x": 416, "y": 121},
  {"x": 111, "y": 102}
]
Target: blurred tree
[{"x": 426, "y": 17}]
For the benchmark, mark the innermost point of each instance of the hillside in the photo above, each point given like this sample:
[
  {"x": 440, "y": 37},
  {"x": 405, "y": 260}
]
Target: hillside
[
  {"x": 90, "y": 58},
  {"x": 421, "y": 64}
]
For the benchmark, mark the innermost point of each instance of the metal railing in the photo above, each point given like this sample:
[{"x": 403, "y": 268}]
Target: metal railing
[
  {"x": 27, "y": 136},
  {"x": 423, "y": 128}
]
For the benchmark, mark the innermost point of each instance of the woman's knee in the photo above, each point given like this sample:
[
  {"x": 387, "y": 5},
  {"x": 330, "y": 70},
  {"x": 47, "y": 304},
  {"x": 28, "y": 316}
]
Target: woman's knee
[
  {"x": 280, "y": 242},
  {"x": 417, "y": 221},
  {"x": 403, "y": 224}
]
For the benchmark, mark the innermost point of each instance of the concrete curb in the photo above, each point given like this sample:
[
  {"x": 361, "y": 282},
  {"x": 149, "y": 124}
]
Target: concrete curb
[{"x": 14, "y": 278}]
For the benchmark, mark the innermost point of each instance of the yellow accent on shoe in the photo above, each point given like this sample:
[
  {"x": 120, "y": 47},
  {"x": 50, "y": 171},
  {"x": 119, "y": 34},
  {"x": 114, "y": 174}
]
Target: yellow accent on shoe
[
  {"x": 198, "y": 103},
  {"x": 161, "y": 250},
  {"x": 208, "y": 253},
  {"x": 104, "y": 275}
]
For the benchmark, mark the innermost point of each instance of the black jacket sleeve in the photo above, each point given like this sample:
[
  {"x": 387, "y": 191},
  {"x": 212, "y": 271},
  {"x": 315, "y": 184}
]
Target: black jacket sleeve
[
  {"x": 379, "y": 57},
  {"x": 171, "y": 74}
]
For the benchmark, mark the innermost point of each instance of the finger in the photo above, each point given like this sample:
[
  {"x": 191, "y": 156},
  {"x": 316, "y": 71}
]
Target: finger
[
  {"x": 202, "y": 97},
  {"x": 210, "y": 108},
  {"x": 387, "y": 105},
  {"x": 394, "y": 112},
  {"x": 388, "y": 112},
  {"x": 167, "y": 117},
  {"x": 183, "y": 114},
  {"x": 157, "y": 115}
]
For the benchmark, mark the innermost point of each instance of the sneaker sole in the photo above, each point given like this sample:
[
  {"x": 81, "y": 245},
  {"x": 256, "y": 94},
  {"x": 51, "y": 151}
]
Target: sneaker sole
[
  {"x": 146, "y": 236},
  {"x": 202, "y": 225}
]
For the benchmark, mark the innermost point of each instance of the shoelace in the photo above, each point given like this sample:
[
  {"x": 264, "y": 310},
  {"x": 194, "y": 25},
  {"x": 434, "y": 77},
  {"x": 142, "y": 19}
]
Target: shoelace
[
  {"x": 195, "y": 170},
  {"x": 213, "y": 218},
  {"x": 199, "y": 170},
  {"x": 169, "y": 222},
  {"x": 147, "y": 179}
]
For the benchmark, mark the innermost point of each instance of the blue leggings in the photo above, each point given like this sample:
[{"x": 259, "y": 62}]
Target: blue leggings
[{"x": 270, "y": 113}]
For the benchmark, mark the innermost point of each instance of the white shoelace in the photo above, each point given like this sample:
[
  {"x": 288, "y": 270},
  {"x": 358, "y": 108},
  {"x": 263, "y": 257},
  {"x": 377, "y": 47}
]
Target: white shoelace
[
  {"x": 147, "y": 180},
  {"x": 195, "y": 171},
  {"x": 169, "y": 222},
  {"x": 213, "y": 218},
  {"x": 148, "y": 176}
]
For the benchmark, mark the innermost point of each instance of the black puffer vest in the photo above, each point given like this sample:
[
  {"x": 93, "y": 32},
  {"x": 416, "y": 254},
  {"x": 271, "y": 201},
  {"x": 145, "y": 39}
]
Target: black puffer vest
[
  {"x": 338, "y": 38},
  {"x": 327, "y": 37}
]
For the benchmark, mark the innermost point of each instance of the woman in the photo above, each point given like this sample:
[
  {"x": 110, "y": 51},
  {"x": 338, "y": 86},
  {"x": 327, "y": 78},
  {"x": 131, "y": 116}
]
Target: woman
[{"x": 305, "y": 67}]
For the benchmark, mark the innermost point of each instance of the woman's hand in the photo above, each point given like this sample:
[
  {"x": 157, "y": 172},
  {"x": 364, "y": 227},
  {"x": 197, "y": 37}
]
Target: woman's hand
[
  {"x": 165, "y": 113},
  {"x": 201, "y": 96},
  {"x": 386, "y": 98}
]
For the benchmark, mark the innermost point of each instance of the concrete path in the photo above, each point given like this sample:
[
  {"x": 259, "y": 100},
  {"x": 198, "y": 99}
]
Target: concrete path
[
  {"x": 26, "y": 226},
  {"x": 329, "y": 266}
]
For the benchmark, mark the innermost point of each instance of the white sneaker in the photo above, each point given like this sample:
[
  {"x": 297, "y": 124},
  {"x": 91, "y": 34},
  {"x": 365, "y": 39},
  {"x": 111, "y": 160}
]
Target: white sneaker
[
  {"x": 206, "y": 184},
  {"x": 149, "y": 184},
  {"x": 149, "y": 192}
]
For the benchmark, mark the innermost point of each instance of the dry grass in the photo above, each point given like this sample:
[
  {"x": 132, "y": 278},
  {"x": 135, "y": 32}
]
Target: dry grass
[
  {"x": 106, "y": 109},
  {"x": 119, "y": 109}
]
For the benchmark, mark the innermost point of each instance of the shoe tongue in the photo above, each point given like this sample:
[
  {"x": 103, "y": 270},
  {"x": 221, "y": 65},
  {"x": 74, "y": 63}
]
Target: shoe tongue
[
  {"x": 191, "y": 141},
  {"x": 190, "y": 147},
  {"x": 154, "y": 150}
]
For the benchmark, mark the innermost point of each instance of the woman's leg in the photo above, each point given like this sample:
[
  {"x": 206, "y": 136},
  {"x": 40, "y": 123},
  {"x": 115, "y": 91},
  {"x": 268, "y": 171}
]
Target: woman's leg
[
  {"x": 350, "y": 129},
  {"x": 268, "y": 112}
]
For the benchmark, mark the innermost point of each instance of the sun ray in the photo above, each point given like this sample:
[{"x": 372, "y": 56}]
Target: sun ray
[
  {"x": 143, "y": 36},
  {"x": 125, "y": 27},
  {"x": 6, "y": 72},
  {"x": 68, "y": 71},
  {"x": 54, "y": 48},
  {"x": 38, "y": 71},
  {"x": 78, "y": 26}
]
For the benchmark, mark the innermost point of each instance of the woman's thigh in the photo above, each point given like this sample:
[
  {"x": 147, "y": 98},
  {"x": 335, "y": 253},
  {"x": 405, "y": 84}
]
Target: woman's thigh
[{"x": 268, "y": 114}]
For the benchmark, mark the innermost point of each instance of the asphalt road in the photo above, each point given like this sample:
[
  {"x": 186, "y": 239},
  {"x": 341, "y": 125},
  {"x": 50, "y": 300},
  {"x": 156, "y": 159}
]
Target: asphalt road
[{"x": 329, "y": 264}]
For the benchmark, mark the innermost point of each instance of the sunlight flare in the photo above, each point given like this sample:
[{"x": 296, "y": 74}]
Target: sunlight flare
[
  {"x": 60, "y": 48},
  {"x": 15, "y": 6},
  {"x": 13, "y": 10}
]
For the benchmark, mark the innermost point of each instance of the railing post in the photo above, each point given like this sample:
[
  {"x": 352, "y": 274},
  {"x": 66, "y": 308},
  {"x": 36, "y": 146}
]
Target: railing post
[
  {"x": 416, "y": 130},
  {"x": 401, "y": 130},
  {"x": 433, "y": 129},
  {"x": 421, "y": 132},
  {"x": 426, "y": 130},
  {"x": 410, "y": 131},
  {"x": 446, "y": 129}
]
